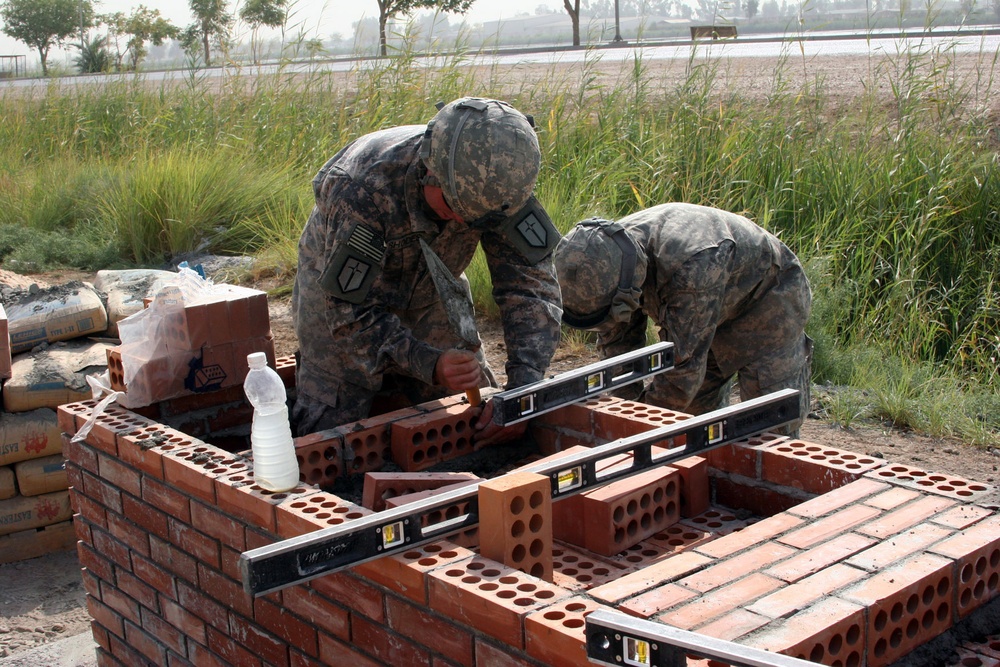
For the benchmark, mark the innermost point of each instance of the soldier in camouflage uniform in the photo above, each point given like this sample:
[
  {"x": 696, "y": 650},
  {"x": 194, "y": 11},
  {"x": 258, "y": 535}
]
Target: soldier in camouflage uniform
[
  {"x": 731, "y": 297},
  {"x": 370, "y": 324}
]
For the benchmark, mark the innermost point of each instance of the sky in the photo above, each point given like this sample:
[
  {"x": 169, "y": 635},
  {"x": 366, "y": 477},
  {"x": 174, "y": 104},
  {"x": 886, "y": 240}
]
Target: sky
[{"x": 321, "y": 18}]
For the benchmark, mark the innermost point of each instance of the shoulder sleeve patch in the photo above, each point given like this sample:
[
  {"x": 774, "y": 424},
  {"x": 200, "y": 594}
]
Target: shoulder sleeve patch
[
  {"x": 531, "y": 231},
  {"x": 354, "y": 265}
]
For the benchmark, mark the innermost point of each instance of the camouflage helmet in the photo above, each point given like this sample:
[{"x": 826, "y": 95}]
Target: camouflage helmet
[
  {"x": 485, "y": 156},
  {"x": 601, "y": 270}
]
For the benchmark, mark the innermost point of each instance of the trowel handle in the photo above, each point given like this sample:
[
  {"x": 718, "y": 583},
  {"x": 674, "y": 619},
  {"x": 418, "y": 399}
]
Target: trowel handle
[{"x": 475, "y": 398}]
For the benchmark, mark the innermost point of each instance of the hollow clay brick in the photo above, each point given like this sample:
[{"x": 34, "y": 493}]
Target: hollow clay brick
[
  {"x": 576, "y": 417},
  {"x": 303, "y": 513},
  {"x": 892, "y": 498},
  {"x": 222, "y": 527},
  {"x": 828, "y": 527},
  {"x": 811, "y": 467},
  {"x": 320, "y": 457},
  {"x": 144, "y": 446},
  {"x": 468, "y": 537},
  {"x": 317, "y": 611},
  {"x": 239, "y": 495},
  {"x": 344, "y": 587},
  {"x": 555, "y": 635},
  {"x": 194, "y": 469},
  {"x": 658, "y": 573},
  {"x": 406, "y": 573},
  {"x": 417, "y": 623},
  {"x": 741, "y": 457},
  {"x": 936, "y": 483},
  {"x": 962, "y": 516},
  {"x": 367, "y": 443},
  {"x": 905, "y": 516},
  {"x": 425, "y": 440},
  {"x": 578, "y": 570},
  {"x": 899, "y": 546},
  {"x": 657, "y": 600},
  {"x": 378, "y": 486},
  {"x": 285, "y": 626},
  {"x": 720, "y": 601},
  {"x": 490, "y": 597},
  {"x": 976, "y": 552},
  {"x": 907, "y": 604},
  {"x": 819, "y": 557},
  {"x": 789, "y": 599},
  {"x": 678, "y": 537},
  {"x": 622, "y": 419},
  {"x": 717, "y": 521},
  {"x": 831, "y": 630},
  {"x": 759, "y": 532},
  {"x": 735, "y": 567},
  {"x": 515, "y": 522},
  {"x": 758, "y": 498},
  {"x": 621, "y": 514},
  {"x": 733, "y": 625}
]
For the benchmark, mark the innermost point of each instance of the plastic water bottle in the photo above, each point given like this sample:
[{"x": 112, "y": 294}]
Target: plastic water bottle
[{"x": 274, "y": 465}]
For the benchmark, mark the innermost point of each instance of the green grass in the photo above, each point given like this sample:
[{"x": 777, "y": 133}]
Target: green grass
[{"x": 891, "y": 201}]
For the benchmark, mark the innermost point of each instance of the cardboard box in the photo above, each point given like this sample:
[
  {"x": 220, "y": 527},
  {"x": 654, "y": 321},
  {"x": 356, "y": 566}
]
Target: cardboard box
[
  {"x": 4, "y": 345},
  {"x": 55, "y": 313},
  {"x": 29, "y": 435},
  {"x": 50, "y": 377},
  {"x": 8, "y": 488},
  {"x": 21, "y": 513},
  {"x": 44, "y": 475}
]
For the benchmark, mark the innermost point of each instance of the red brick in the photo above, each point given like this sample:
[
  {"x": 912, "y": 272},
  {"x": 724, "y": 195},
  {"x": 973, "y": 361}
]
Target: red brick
[
  {"x": 145, "y": 644},
  {"x": 661, "y": 598},
  {"x": 621, "y": 419},
  {"x": 107, "y": 617},
  {"x": 117, "y": 600},
  {"x": 962, "y": 516},
  {"x": 228, "y": 592},
  {"x": 488, "y": 654},
  {"x": 575, "y": 417},
  {"x": 927, "y": 482},
  {"x": 231, "y": 650},
  {"x": 378, "y": 486},
  {"x": 320, "y": 457},
  {"x": 317, "y": 611},
  {"x": 135, "y": 588},
  {"x": 555, "y": 635},
  {"x": 146, "y": 517},
  {"x": 111, "y": 548},
  {"x": 907, "y": 604},
  {"x": 720, "y": 601},
  {"x": 838, "y": 498},
  {"x": 172, "y": 559},
  {"x": 422, "y": 441},
  {"x": 831, "y": 526},
  {"x": 906, "y": 516},
  {"x": 194, "y": 469},
  {"x": 125, "y": 654},
  {"x": 577, "y": 570},
  {"x": 307, "y": 512},
  {"x": 129, "y": 534},
  {"x": 333, "y": 652},
  {"x": 758, "y": 532},
  {"x": 815, "y": 559},
  {"x": 733, "y": 625},
  {"x": 102, "y": 492},
  {"x": 166, "y": 499},
  {"x": 163, "y": 632},
  {"x": 892, "y": 498},
  {"x": 186, "y": 623},
  {"x": 621, "y": 514},
  {"x": 811, "y": 467},
  {"x": 89, "y": 510},
  {"x": 405, "y": 573},
  {"x": 98, "y": 565},
  {"x": 898, "y": 546},
  {"x": 438, "y": 634},
  {"x": 154, "y": 575},
  {"x": 352, "y": 591},
  {"x": 976, "y": 552},
  {"x": 695, "y": 490},
  {"x": 656, "y": 574},
  {"x": 368, "y": 444},
  {"x": 237, "y": 494},
  {"x": 197, "y": 544},
  {"x": 272, "y": 649},
  {"x": 733, "y": 568},
  {"x": 202, "y": 657},
  {"x": 387, "y": 647},
  {"x": 492, "y": 598},
  {"x": 831, "y": 630},
  {"x": 216, "y": 524},
  {"x": 515, "y": 522},
  {"x": 202, "y": 606},
  {"x": 807, "y": 591}
]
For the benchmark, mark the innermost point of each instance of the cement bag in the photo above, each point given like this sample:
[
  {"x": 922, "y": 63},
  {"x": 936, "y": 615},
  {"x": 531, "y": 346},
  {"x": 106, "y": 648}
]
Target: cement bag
[
  {"x": 125, "y": 291},
  {"x": 53, "y": 375},
  {"x": 51, "y": 314},
  {"x": 29, "y": 435}
]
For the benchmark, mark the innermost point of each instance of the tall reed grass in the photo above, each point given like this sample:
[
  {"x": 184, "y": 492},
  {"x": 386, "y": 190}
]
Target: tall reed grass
[{"x": 891, "y": 198}]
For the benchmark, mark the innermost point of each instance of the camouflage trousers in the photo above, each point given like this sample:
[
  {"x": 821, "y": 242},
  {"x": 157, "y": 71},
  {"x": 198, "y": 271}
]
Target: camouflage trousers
[{"x": 795, "y": 360}]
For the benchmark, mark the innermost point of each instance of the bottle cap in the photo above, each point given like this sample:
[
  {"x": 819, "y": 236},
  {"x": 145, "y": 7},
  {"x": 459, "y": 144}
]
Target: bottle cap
[{"x": 257, "y": 359}]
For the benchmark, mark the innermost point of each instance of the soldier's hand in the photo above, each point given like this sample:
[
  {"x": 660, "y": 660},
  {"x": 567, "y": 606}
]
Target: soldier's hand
[
  {"x": 457, "y": 370},
  {"x": 487, "y": 433}
]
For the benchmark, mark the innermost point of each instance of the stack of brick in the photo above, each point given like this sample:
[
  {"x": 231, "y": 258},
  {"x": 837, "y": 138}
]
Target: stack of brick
[
  {"x": 35, "y": 514},
  {"x": 190, "y": 345}
]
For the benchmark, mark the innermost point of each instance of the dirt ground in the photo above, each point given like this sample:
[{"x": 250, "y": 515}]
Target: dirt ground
[{"x": 42, "y": 599}]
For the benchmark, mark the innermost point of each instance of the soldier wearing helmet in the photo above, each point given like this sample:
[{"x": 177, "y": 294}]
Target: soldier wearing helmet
[
  {"x": 373, "y": 334},
  {"x": 732, "y": 298}
]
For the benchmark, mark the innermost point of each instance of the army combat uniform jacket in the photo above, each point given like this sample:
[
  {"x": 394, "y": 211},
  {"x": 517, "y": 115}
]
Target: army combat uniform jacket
[
  {"x": 364, "y": 305},
  {"x": 731, "y": 297}
]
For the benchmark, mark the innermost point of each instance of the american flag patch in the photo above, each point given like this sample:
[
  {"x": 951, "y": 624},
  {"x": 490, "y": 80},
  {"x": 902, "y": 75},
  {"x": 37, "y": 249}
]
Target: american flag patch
[{"x": 367, "y": 242}]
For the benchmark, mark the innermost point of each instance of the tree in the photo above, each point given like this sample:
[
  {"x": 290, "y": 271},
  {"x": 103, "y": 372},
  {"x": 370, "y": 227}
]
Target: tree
[
  {"x": 257, "y": 13},
  {"x": 751, "y": 8},
  {"x": 212, "y": 24},
  {"x": 42, "y": 24},
  {"x": 94, "y": 56},
  {"x": 388, "y": 9},
  {"x": 573, "y": 9},
  {"x": 141, "y": 26}
]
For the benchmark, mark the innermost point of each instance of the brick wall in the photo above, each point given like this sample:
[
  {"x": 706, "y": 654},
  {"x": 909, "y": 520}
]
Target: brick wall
[{"x": 841, "y": 561}]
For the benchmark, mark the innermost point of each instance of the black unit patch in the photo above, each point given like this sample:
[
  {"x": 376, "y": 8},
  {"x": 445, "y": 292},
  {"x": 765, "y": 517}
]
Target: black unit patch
[
  {"x": 354, "y": 265},
  {"x": 531, "y": 231}
]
